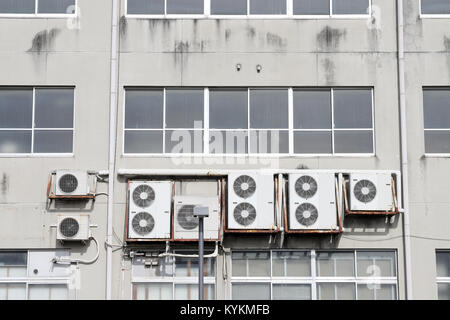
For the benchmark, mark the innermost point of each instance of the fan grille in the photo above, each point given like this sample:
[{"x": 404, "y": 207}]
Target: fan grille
[
  {"x": 244, "y": 214},
  {"x": 306, "y": 214},
  {"x": 306, "y": 187},
  {"x": 244, "y": 186},
  {"x": 68, "y": 183},
  {"x": 365, "y": 191},
  {"x": 186, "y": 219},
  {"x": 143, "y": 223},
  {"x": 69, "y": 227},
  {"x": 143, "y": 196}
]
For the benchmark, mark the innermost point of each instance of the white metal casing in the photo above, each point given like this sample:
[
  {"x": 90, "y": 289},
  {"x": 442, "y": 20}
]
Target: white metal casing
[
  {"x": 323, "y": 199},
  {"x": 211, "y": 224},
  {"x": 82, "y": 188},
  {"x": 159, "y": 209},
  {"x": 263, "y": 200},
  {"x": 383, "y": 200},
  {"x": 84, "y": 231},
  {"x": 40, "y": 264}
]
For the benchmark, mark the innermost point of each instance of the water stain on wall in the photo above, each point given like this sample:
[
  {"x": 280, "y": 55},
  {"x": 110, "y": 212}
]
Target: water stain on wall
[
  {"x": 43, "y": 40},
  {"x": 275, "y": 40},
  {"x": 330, "y": 38},
  {"x": 123, "y": 25}
]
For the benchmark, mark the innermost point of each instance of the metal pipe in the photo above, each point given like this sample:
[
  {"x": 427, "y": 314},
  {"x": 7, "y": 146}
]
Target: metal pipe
[
  {"x": 200, "y": 258},
  {"x": 112, "y": 141},
  {"x": 404, "y": 150}
]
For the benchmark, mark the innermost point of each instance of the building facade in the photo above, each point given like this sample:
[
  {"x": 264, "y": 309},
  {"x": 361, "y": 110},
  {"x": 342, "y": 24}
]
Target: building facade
[{"x": 194, "y": 91}]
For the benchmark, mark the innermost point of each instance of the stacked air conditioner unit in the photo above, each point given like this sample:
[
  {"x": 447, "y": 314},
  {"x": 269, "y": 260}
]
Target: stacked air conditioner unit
[
  {"x": 371, "y": 191},
  {"x": 149, "y": 210},
  {"x": 71, "y": 183},
  {"x": 73, "y": 228},
  {"x": 251, "y": 202},
  {"x": 186, "y": 225},
  {"x": 312, "y": 201}
]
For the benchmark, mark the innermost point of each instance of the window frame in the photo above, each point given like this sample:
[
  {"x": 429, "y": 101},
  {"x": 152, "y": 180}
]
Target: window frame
[
  {"x": 32, "y": 154},
  {"x": 441, "y": 280},
  {"x": 289, "y": 14},
  {"x": 36, "y": 14},
  {"x": 431, "y": 15},
  {"x": 290, "y": 129}
]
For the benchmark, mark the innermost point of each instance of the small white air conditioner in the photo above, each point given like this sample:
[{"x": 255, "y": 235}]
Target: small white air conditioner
[
  {"x": 312, "y": 201},
  {"x": 251, "y": 202},
  {"x": 73, "y": 228},
  {"x": 371, "y": 191},
  {"x": 149, "y": 210},
  {"x": 186, "y": 225},
  {"x": 71, "y": 183}
]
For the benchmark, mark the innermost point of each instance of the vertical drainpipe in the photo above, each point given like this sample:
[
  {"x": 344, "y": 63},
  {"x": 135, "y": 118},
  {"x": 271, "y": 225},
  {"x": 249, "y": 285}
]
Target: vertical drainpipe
[
  {"x": 404, "y": 150},
  {"x": 112, "y": 143}
]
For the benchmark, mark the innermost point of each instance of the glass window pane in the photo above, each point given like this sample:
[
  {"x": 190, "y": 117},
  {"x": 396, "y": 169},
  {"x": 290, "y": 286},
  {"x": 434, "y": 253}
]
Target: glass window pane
[
  {"x": 312, "y": 109},
  {"x": 437, "y": 141},
  {"x": 312, "y": 7},
  {"x": 351, "y": 6},
  {"x": 250, "y": 291},
  {"x": 143, "y": 142},
  {"x": 360, "y": 141},
  {"x": 335, "y": 264},
  {"x": 376, "y": 264},
  {"x": 228, "y": 142},
  {"x": 251, "y": 264},
  {"x": 16, "y": 108},
  {"x": 53, "y": 141},
  {"x": 313, "y": 142},
  {"x": 185, "y": 6},
  {"x": 443, "y": 291},
  {"x": 184, "y": 141},
  {"x": 190, "y": 292},
  {"x": 291, "y": 264},
  {"x": 55, "y": 6},
  {"x": 436, "y": 108},
  {"x": 54, "y": 108},
  {"x": 274, "y": 141},
  {"x": 13, "y": 258},
  {"x": 15, "y": 141},
  {"x": 443, "y": 264},
  {"x": 153, "y": 291},
  {"x": 17, "y": 6},
  {"x": 13, "y": 291},
  {"x": 228, "y": 108},
  {"x": 188, "y": 267},
  {"x": 231, "y": 7},
  {"x": 144, "y": 109},
  {"x": 145, "y": 7},
  {"x": 163, "y": 269},
  {"x": 336, "y": 291},
  {"x": 373, "y": 291},
  {"x": 291, "y": 292},
  {"x": 184, "y": 108},
  {"x": 269, "y": 109},
  {"x": 47, "y": 292},
  {"x": 267, "y": 6},
  {"x": 435, "y": 7},
  {"x": 352, "y": 109}
]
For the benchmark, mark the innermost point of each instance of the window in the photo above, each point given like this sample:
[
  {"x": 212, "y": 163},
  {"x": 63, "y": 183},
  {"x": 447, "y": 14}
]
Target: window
[
  {"x": 248, "y": 121},
  {"x": 443, "y": 274},
  {"x": 36, "y": 120},
  {"x": 321, "y": 275},
  {"x": 172, "y": 279},
  {"x": 435, "y": 7},
  {"x": 38, "y": 7},
  {"x": 229, "y": 7},
  {"x": 436, "y": 109}
]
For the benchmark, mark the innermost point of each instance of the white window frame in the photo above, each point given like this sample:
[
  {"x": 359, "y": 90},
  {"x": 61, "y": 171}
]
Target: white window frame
[
  {"x": 289, "y": 14},
  {"x": 431, "y": 15},
  {"x": 441, "y": 280},
  {"x": 314, "y": 279},
  {"x": 32, "y": 154},
  {"x": 290, "y": 130},
  {"x": 41, "y": 15}
]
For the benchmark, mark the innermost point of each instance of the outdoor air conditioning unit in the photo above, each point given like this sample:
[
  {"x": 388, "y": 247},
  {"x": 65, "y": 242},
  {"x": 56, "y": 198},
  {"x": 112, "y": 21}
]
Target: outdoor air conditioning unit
[
  {"x": 312, "y": 201},
  {"x": 71, "y": 183},
  {"x": 149, "y": 206},
  {"x": 251, "y": 202},
  {"x": 186, "y": 225},
  {"x": 73, "y": 228},
  {"x": 371, "y": 191}
]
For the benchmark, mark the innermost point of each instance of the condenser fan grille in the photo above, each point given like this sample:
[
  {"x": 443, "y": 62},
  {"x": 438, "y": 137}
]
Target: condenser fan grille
[
  {"x": 306, "y": 214},
  {"x": 68, "y": 183},
  {"x": 244, "y": 186},
  {"x": 143, "y": 223},
  {"x": 244, "y": 214},
  {"x": 143, "y": 196},
  {"x": 306, "y": 187},
  {"x": 186, "y": 217},
  {"x": 69, "y": 227},
  {"x": 365, "y": 191}
]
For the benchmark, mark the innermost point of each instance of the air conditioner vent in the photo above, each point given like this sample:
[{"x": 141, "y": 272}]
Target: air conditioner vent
[
  {"x": 75, "y": 227},
  {"x": 69, "y": 227},
  {"x": 186, "y": 217},
  {"x": 143, "y": 196},
  {"x": 306, "y": 187},
  {"x": 143, "y": 223},
  {"x": 306, "y": 214},
  {"x": 365, "y": 191},
  {"x": 244, "y": 214},
  {"x": 244, "y": 186}
]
